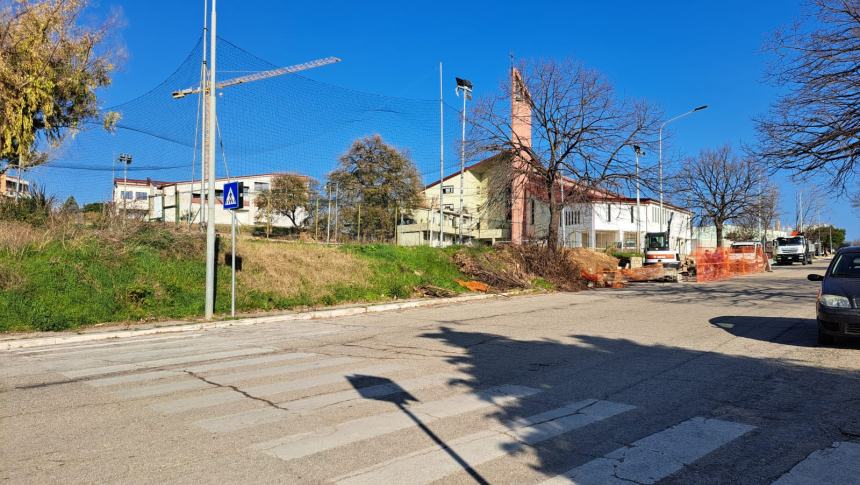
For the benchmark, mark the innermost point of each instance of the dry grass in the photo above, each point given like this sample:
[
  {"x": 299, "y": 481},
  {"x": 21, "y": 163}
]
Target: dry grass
[
  {"x": 18, "y": 237},
  {"x": 293, "y": 269}
]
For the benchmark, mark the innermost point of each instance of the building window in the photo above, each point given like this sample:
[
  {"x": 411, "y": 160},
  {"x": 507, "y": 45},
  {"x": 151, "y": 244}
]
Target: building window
[
  {"x": 532, "y": 215},
  {"x": 126, "y": 195},
  {"x": 608, "y": 213},
  {"x": 261, "y": 186},
  {"x": 577, "y": 217},
  {"x": 447, "y": 189},
  {"x": 568, "y": 217},
  {"x": 141, "y": 196},
  {"x": 631, "y": 214}
]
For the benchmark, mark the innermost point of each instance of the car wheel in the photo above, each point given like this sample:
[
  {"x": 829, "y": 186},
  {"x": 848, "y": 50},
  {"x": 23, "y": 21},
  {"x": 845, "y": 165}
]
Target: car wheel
[{"x": 824, "y": 338}]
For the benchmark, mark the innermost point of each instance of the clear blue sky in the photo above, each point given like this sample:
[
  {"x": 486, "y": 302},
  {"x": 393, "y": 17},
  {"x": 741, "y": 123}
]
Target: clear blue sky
[{"x": 678, "y": 54}]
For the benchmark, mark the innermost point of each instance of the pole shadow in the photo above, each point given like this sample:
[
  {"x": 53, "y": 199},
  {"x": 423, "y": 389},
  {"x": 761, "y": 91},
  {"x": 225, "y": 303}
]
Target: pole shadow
[{"x": 401, "y": 398}]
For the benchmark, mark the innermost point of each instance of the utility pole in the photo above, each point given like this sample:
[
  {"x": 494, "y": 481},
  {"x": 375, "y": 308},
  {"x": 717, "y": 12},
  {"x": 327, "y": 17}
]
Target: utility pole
[
  {"x": 328, "y": 215},
  {"x": 359, "y": 223},
  {"x": 465, "y": 86},
  {"x": 125, "y": 159},
  {"x": 441, "y": 159},
  {"x": 210, "y": 202},
  {"x": 563, "y": 211}
]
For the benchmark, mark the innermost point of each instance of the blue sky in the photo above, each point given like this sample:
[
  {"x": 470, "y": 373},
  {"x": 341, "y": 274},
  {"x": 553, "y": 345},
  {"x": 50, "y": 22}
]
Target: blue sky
[{"x": 678, "y": 54}]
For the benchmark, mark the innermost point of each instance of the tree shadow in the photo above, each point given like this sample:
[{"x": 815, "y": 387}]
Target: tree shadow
[
  {"x": 797, "y": 408},
  {"x": 801, "y": 332}
]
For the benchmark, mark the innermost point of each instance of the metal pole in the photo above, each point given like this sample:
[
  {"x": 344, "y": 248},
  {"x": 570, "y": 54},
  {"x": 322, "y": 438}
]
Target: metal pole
[
  {"x": 204, "y": 127},
  {"x": 317, "y": 219},
  {"x": 395, "y": 226},
  {"x": 462, "y": 163},
  {"x": 328, "y": 214},
  {"x": 359, "y": 222},
  {"x": 660, "y": 169},
  {"x": 233, "y": 265},
  {"x": 638, "y": 208},
  {"x": 563, "y": 221},
  {"x": 125, "y": 189},
  {"x": 441, "y": 158},
  {"x": 210, "y": 203},
  {"x": 336, "y": 211}
]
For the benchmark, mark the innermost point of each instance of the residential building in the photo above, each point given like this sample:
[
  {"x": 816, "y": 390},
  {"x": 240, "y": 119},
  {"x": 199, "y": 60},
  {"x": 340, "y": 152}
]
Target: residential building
[
  {"x": 519, "y": 213},
  {"x": 13, "y": 185},
  {"x": 181, "y": 202},
  {"x": 132, "y": 197}
]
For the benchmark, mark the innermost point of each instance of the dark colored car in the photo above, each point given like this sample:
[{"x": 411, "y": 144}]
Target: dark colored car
[{"x": 838, "y": 306}]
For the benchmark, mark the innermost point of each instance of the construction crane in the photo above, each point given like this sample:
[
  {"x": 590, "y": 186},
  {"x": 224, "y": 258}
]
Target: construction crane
[{"x": 258, "y": 76}]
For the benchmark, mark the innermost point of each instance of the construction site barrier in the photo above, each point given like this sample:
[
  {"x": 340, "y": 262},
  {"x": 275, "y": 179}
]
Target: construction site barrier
[{"x": 723, "y": 263}]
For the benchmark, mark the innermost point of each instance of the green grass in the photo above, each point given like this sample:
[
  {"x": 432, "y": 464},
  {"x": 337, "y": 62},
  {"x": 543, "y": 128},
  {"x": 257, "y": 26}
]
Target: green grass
[
  {"x": 155, "y": 275},
  {"x": 396, "y": 271}
]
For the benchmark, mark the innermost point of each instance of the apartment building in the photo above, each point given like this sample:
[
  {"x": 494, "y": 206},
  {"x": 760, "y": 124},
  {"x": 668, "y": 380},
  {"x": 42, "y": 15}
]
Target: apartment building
[{"x": 13, "y": 185}]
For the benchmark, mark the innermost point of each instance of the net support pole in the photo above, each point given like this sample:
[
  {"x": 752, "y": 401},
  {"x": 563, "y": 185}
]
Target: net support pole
[
  {"x": 210, "y": 202},
  {"x": 441, "y": 158}
]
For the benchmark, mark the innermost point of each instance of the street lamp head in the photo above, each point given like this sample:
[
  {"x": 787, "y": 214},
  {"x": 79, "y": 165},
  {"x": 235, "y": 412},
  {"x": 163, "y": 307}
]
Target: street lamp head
[
  {"x": 638, "y": 150},
  {"x": 464, "y": 83},
  {"x": 700, "y": 108}
]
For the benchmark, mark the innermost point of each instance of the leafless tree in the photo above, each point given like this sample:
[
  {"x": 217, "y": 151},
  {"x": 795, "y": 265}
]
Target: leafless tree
[
  {"x": 721, "y": 188},
  {"x": 815, "y": 127},
  {"x": 580, "y": 128}
]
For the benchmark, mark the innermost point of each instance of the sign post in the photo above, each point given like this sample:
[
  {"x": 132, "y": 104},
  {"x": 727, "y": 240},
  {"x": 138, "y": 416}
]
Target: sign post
[{"x": 233, "y": 201}]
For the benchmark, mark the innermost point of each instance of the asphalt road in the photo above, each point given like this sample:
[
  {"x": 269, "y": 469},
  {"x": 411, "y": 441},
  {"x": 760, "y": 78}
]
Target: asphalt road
[{"x": 678, "y": 383}]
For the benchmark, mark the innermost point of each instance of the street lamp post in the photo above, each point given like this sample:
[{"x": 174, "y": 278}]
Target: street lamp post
[
  {"x": 465, "y": 86},
  {"x": 660, "y": 156},
  {"x": 638, "y": 151}
]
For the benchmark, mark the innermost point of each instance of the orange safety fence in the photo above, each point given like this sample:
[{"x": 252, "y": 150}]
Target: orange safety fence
[{"x": 724, "y": 263}]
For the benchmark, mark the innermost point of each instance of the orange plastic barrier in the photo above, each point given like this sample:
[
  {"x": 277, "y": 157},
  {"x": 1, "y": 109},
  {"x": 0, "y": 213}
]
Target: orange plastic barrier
[{"x": 724, "y": 263}]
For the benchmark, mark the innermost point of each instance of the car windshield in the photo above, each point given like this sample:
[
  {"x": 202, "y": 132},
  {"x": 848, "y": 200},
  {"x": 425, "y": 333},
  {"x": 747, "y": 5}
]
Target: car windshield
[
  {"x": 846, "y": 265},
  {"x": 657, "y": 241},
  {"x": 789, "y": 241}
]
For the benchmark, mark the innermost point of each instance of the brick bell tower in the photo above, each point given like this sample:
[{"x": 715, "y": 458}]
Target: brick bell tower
[{"x": 521, "y": 136}]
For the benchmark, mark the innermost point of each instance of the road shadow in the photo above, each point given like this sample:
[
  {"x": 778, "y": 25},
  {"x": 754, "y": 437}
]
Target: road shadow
[
  {"x": 800, "y": 332},
  {"x": 796, "y": 408},
  {"x": 741, "y": 291},
  {"x": 401, "y": 398}
]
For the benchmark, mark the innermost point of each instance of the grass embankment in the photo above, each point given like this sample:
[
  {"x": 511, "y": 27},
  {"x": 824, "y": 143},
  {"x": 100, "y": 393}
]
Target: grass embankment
[{"x": 59, "y": 278}]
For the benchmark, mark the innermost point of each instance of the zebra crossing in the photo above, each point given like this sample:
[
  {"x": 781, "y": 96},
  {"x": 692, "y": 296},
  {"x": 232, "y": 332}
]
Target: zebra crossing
[{"x": 238, "y": 390}]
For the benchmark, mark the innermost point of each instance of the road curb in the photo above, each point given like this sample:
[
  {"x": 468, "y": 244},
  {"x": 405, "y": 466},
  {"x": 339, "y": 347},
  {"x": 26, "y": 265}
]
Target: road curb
[{"x": 25, "y": 342}]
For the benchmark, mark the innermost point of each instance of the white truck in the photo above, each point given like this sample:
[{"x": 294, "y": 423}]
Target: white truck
[{"x": 792, "y": 249}]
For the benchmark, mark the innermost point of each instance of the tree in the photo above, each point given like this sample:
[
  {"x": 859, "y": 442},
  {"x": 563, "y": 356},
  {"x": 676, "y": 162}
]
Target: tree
[
  {"x": 815, "y": 127},
  {"x": 824, "y": 233},
  {"x": 289, "y": 195},
  {"x": 50, "y": 67},
  {"x": 94, "y": 207},
  {"x": 70, "y": 205},
  {"x": 579, "y": 128},
  {"x": 721, "y": 188},
  {"x": 376, "y": 179}
]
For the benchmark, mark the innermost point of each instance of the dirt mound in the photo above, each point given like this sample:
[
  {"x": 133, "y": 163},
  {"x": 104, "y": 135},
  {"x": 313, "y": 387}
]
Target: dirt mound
[
  {"x": 592, "y": 261},
  {"x": 523, "y": 266}
]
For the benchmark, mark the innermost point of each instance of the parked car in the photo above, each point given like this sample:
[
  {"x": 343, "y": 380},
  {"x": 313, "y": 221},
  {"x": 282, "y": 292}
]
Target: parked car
[{"x": 838, "y": 305}]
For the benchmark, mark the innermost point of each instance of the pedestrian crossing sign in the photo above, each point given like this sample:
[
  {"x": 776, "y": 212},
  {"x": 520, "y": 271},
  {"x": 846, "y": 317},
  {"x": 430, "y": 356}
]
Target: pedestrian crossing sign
[{"x": 233, "y": 195}]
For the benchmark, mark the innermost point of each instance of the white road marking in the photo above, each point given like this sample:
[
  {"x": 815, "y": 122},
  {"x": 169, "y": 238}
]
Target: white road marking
[
  {"x": 281, "y": 370},
  {"x": 161, "y": 389},
  {"x": 838, "y": 464},
  {"x": 657, "y": 456},
  {"x": 228, "y": 396},
  {"x": 434, "y": 463},
  {"x": 299, "y": 445},
  {"x": 256, "y": 417},
  {"x": 109, "y": 369},
  {"x": 161, "y": 374}
]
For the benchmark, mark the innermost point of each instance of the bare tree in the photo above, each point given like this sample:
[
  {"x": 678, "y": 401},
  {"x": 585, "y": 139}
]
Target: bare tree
[
  {"x": 720, "y": 187},
  {"x": 578, "y": 128},
  {"x": 815, "y": 127}
]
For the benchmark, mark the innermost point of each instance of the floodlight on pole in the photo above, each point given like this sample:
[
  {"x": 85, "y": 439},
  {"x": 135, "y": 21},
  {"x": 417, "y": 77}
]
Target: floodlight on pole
[
  {"x": 660, "y": 155},
  {"x": 465, "y": 86}
]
